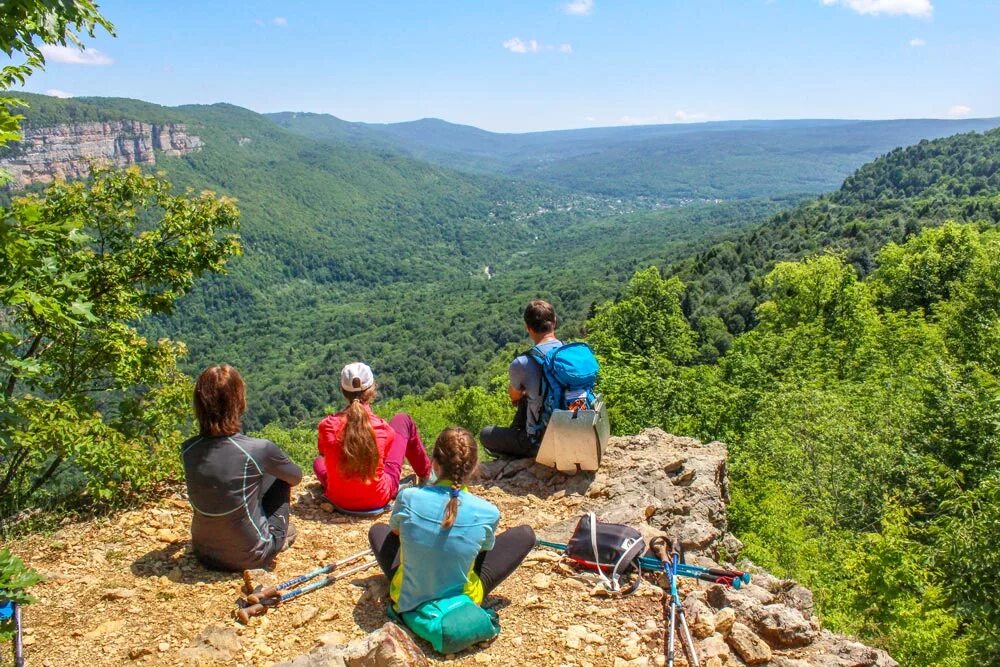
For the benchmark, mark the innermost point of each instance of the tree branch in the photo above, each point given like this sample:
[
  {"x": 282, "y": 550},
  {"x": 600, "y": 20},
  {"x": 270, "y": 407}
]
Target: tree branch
[
  {"x": 45, "y": 476},
  {"x": 30, "y": 352}
]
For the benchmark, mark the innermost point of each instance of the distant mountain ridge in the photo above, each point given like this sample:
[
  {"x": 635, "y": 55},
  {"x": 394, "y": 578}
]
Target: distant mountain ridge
[{"x": 723, "y": 159}]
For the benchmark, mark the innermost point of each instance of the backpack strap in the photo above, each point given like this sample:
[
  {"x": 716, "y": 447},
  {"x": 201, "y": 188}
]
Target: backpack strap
[{"x": 548, "y": 405}]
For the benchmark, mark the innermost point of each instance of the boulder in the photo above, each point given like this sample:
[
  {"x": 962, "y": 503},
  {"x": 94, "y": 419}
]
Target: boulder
[
  {"x": 700, "y": 618},
  {"x": 752, "y": 649},
  {"x": 784, "y": 627},
  {"x": 388, "y": 646}
]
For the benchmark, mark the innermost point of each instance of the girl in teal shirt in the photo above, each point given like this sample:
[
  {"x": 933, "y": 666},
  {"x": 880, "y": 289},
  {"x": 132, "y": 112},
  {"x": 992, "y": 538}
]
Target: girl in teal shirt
[{"x": 441, "y": 540}]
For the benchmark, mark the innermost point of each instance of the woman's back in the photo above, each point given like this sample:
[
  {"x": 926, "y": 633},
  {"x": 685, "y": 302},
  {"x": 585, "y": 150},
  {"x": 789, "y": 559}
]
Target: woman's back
[
  {"x": 225, "y": 479},
  {"x": 345, "y": 490},
  {"x": 436, "y": 562}
]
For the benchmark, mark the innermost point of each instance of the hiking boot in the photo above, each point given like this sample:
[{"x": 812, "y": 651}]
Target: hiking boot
[{"x": 290, "y": 537}]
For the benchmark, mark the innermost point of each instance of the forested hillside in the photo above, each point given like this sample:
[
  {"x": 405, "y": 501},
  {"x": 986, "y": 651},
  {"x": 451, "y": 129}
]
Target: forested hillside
[
  {"x": 956, "y": 178},
  {"x": 726, "y": 160}
]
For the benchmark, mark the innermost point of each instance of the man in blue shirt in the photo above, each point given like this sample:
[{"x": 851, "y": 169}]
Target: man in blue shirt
[{"x": 522, "y": 438}]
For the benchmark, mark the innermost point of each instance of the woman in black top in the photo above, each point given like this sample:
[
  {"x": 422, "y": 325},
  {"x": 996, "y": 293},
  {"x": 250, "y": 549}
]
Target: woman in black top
[{"x": 239, "y": 487}]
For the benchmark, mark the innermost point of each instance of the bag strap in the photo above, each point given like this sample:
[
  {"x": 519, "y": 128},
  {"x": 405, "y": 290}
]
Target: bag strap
[
  {"x": 610, "y": 584},
  {"x": 630, "y": 554}
]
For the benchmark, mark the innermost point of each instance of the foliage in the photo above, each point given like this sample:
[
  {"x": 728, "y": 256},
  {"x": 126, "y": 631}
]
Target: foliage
[
  {"x": 646, "y": 320},
  {"x": 87, "y": 401},
  {"x": 966, "y": 536},
  {"x": 24, "y": 26},
  {"x": 15, "y": 580},
  {"x": 880, "y": 204},
  {"x": 864, "y": 428}
]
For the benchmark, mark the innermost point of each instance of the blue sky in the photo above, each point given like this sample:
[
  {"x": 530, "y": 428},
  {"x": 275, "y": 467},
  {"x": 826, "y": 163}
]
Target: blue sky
[{"x": 538, "y": 65}]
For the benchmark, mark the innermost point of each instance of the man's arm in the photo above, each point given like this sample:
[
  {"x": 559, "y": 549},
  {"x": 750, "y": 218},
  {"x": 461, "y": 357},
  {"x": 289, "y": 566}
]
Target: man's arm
[{"x": 515, "y": 386}]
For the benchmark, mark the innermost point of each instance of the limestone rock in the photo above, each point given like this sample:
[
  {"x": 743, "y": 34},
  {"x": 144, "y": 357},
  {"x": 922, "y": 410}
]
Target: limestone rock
[
  {"x": 713, "y": 647},
  {"x": 724, "y": 620},
  {"x": 119, "y": 594},
  {"x": 797, "y": 597},
  {"x": 752, "y": 649},
  {"x": 216, "y": 643},
  {"x": 305, "y": 614},
  {"x": 389, "y": 646},
  {"x": 700, "y": 618},
  {"x": 784, "y": 627}
]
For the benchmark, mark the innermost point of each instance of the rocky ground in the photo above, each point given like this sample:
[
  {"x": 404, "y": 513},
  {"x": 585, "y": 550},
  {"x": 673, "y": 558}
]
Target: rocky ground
[{"x": 127, "y": 590}]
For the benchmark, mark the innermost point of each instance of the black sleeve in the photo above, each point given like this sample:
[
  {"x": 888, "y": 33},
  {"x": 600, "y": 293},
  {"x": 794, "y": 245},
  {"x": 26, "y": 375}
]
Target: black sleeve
[{"x": 277, "y": 463}]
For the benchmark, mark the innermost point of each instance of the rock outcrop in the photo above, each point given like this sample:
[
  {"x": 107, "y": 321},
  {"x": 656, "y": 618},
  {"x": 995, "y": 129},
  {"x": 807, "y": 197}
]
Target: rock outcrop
[
  {"x": 655, "y": 481},
  {"x": 678, "y": 486},
  {"x": 70, "y": 151}
]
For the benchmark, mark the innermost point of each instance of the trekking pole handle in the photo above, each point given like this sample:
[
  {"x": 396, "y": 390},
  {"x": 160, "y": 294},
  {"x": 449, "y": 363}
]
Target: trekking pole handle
[
  {"x": 246, "y": 613},
  {"x": 247, "y": 582},
  {"x": 659, "y": 547}
]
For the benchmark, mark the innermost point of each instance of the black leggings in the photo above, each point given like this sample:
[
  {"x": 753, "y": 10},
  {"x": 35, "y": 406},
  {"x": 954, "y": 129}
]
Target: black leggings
[
  {"x": 492, "y": 567},
  {"x": 511, "y": 440}
]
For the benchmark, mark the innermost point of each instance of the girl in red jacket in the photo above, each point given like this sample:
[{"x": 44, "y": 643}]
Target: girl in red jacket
[{"x": 361, "y": 454}]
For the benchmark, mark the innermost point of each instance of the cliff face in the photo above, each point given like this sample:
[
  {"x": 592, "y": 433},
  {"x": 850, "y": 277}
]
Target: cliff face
[{"x": 70, "y": 151}]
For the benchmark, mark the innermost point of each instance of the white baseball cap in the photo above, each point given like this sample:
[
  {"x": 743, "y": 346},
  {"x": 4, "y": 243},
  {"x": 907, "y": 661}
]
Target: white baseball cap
[{"x": 356, "y": 377}]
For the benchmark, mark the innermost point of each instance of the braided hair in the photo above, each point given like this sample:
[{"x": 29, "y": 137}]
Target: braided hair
[{"x": 456, "y": 453}]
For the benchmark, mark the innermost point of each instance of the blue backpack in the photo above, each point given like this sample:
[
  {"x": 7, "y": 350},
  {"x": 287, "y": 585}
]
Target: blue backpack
[{"x": 569, "y": 374}]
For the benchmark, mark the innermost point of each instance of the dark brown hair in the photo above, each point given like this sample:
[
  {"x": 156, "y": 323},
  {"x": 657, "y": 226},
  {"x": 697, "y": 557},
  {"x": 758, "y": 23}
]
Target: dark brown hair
[
  {"x": 540, "y": 316},
  {"x": 456, "y": 454},
  {"x": 358, "y": 448},
  {"x": 220, "y": 399}
]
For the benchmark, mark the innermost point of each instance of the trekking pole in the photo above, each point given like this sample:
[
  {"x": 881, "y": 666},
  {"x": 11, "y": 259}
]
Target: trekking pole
[
  {"x": 275, "y": 591},
  {"x": 712, "y": 575},
  {"x": 244, "y": 614},
  {"x": 670, "y": 561},
  {"x": 18, "y": 646},
  {"x": 736, "y": 575}
]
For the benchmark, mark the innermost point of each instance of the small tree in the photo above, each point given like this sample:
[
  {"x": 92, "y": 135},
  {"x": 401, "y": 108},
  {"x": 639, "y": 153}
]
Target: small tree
[{"x": 86, "y": 400}]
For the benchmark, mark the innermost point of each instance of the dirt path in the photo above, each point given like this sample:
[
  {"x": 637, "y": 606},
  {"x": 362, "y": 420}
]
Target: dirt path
[{"x": 127, "y": 590}]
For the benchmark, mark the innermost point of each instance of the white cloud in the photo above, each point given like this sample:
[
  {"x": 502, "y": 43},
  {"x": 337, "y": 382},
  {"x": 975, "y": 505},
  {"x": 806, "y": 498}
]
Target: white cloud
[
  {"x": 638, "y": 120},
  {"x": 959, "y": 111},
  {"x": 919, "y": 8},
  {"x": 682, "y": 116},
  {"x": 55, "y": 92},
  {"x": 73, "y": 56},
  {"x": 916, "y": 42},
  {"x": 280, "y": 21},
  {"x": 516, "y": 45},
  {"x": 579, "y": 7}
]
